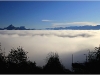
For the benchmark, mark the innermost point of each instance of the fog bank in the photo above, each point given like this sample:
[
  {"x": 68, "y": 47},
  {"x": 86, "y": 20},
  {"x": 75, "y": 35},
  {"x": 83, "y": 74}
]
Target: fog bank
[{"x": 38, "y": 43}]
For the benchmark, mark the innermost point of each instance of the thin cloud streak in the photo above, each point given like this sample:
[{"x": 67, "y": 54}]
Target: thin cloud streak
[
  {"x": 74, "y": 24},
  {"x": 47, "y": 20}
]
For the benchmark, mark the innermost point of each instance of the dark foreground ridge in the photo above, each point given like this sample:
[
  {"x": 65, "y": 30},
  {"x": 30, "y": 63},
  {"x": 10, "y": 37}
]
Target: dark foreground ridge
[{"x": 16, "y": 62}]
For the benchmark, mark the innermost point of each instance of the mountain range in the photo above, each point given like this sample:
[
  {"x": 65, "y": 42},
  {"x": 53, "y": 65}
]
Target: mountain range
[
  {"x": 11, "y": 27},
  {"x": 85, "y": 27}
]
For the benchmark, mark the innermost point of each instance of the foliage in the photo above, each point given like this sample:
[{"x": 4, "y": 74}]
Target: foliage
[
  {"x": 94, "y": 55},
  {"x": 17, "y": 55},
  {"x": 93, "y": 64},
  {"x": 53, "y": 64},
  {"x": 16, "y": 62}
]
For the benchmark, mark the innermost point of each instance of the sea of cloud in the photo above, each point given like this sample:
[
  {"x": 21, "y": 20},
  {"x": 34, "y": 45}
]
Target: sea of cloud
[{"x": 38, "y": 43}]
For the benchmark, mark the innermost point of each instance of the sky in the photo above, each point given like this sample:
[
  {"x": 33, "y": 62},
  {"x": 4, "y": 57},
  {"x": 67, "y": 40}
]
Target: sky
[{"x": 48, "y": 14}]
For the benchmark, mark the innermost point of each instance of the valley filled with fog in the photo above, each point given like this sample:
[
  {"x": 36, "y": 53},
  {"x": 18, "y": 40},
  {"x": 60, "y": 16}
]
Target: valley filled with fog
[{"x": 38, "y": 43}]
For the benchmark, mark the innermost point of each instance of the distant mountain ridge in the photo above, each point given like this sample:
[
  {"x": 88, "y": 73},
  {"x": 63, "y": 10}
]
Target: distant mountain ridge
[
  {"x": 11, "y": 27},
  {"x": 85, "y": 27}
]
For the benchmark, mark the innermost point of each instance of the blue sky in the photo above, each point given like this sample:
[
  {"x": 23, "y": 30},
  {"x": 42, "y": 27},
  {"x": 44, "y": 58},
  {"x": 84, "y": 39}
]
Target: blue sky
[{"x": 44, "y": 14}]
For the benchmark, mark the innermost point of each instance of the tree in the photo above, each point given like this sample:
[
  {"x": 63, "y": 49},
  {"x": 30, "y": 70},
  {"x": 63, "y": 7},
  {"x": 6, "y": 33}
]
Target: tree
[
  {"x": 93, "y": 64},
  {"x": 53, "y": 64},
  {"x": 94, "y": 55},
  {"x": 2, "y": 60},
  {"x": 17, "y": 55}
]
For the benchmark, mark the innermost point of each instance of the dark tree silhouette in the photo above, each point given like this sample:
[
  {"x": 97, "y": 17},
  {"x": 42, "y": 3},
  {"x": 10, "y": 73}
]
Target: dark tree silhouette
[
  {"x": 18, "y": 62},
  {"x": 2, "y": 61},
  {"x": 93, "y": 64},
  {"x": 17, "y": 55},
  {"x": 15, "y": 59},
  {"x": 54, "y": 65}
]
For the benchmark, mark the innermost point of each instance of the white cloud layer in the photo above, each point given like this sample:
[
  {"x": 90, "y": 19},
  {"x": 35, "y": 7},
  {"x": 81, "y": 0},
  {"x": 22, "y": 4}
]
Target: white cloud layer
[
  {"x": 38, "y": 43},
  {"x": 74, "y": 24}
]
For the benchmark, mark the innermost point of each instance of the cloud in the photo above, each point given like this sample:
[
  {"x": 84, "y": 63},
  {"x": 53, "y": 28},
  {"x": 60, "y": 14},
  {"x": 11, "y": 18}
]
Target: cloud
[
  {"x": 38, "y": 43},
  {"x": 25, "y": 34},
  {"x": 74, "y": 24},
  {"x": 47, "y": 20}
]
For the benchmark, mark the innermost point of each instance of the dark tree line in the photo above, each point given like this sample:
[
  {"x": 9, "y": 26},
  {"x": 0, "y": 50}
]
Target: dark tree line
[
  {"x": 92, "y": 64},
  {"x": 17, "y": 62}
]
